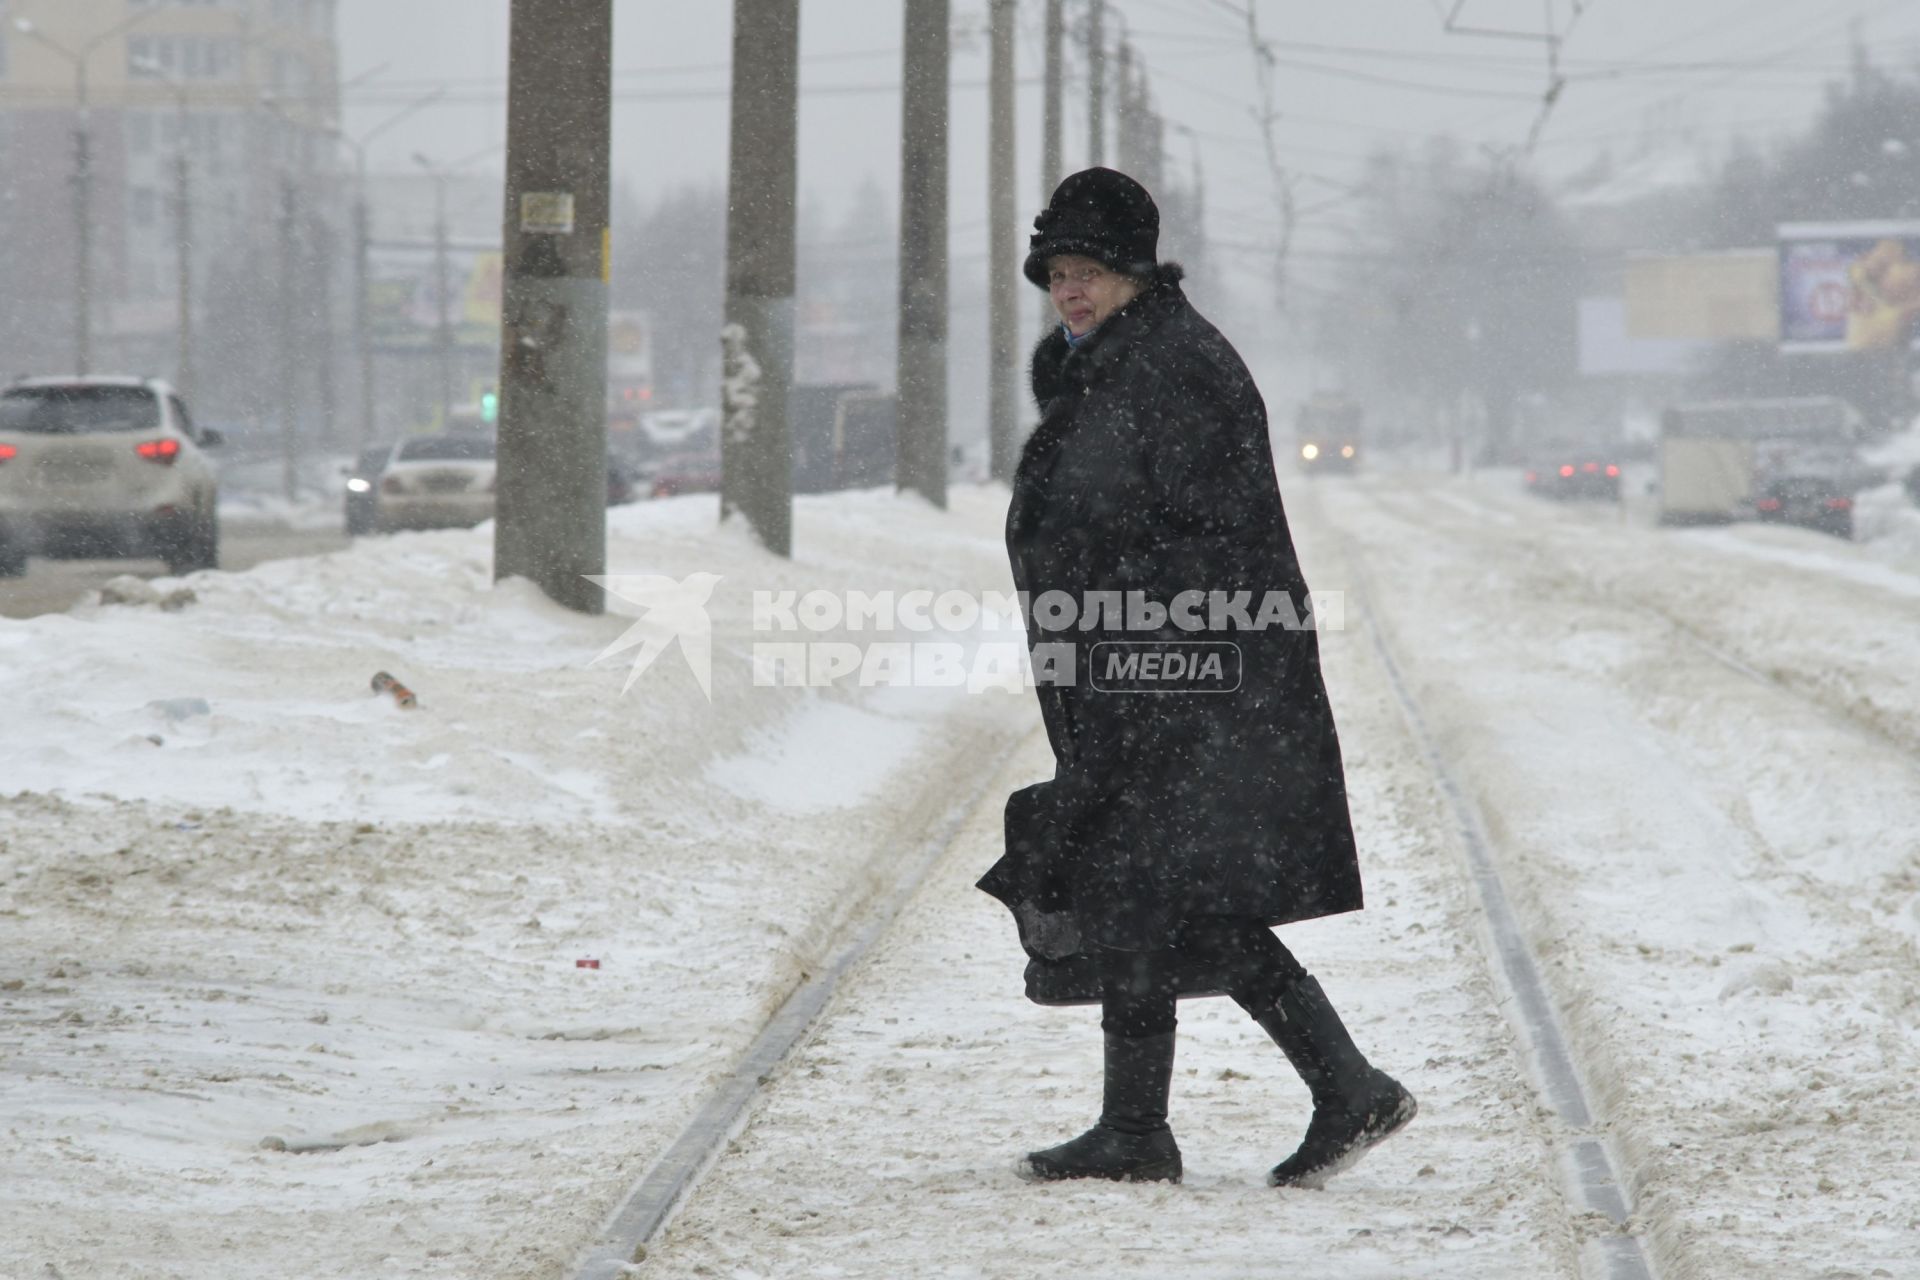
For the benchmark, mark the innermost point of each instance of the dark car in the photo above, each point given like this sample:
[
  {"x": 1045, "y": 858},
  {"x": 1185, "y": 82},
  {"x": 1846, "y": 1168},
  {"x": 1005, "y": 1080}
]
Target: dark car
[
  {"x": 1575, "y": 473},
  {"x": 363, "y": 484},
  {"x": 1811, "y": 487},
  {"x": 1809, "y": 499}
]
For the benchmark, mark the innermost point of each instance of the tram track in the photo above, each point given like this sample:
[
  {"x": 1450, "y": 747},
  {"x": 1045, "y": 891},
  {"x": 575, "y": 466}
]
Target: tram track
[
  {"x": 1591, "y": 1184},
  {"x": 1830, "y": 924},
  {"x": 1590, "y": 1169},
  {"x": 1546, "y": 547},
  {"x": 650, "y": 1203},
  {"x": 1624, "y": 1213}
]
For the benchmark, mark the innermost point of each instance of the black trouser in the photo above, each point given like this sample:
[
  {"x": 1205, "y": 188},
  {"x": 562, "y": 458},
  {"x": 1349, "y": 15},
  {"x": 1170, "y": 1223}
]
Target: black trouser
[{"x": 1138, "y": 987}]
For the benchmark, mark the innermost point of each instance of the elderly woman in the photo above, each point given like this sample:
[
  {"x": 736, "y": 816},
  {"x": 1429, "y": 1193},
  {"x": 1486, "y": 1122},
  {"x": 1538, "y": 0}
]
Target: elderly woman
[{"x": 1198, "y": 798}]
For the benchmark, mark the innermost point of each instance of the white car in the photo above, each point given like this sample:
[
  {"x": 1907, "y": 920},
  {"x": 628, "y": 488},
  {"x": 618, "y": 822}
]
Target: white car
[
  {"x": 437, "y": 482},
  {"x": 105, "y": 468}
]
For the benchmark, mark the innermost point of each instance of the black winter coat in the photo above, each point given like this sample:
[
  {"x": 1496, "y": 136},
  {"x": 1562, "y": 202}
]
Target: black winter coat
[{"x": 1151, "y": 471}]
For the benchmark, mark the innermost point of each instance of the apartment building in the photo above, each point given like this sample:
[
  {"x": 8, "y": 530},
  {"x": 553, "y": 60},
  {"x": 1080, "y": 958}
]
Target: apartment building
[{"x": 247, "y": 92}]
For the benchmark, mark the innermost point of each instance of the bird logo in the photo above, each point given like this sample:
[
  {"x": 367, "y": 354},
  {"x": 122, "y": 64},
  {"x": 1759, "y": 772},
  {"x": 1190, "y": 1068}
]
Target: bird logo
[{"x": 669, "y": 611}]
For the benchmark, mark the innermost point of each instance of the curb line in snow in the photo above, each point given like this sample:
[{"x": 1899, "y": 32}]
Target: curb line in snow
[
  {"x": 652, "y": 1200},
  {"x": 1585, "y": 1161}
]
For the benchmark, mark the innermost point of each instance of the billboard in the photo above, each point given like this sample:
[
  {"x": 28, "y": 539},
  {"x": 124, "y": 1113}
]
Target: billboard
[
  {"x": 404, "y": 300},
  {"x": 1849, "y": 286},
  {"x": 1609, "y": 349},
  {"x": 1702, "y": 297}
]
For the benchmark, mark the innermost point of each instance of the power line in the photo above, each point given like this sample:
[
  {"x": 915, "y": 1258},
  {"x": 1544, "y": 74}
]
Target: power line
[
  {"x": 1719, "y": 24},
  {"x": 1422, "y": 86}
]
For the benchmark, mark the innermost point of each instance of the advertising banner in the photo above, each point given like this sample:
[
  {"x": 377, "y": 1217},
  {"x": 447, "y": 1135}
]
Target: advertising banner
[
  {"x": 404, "y": 299},
  {"x": 1849, "y": 286},
  {"x": 1703, "y": 297}
]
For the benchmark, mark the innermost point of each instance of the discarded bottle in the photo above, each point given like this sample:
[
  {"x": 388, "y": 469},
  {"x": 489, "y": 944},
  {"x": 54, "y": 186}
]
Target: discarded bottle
[
  {"x": 588, "y": 962},
  {"x": 384, "y": 683}
]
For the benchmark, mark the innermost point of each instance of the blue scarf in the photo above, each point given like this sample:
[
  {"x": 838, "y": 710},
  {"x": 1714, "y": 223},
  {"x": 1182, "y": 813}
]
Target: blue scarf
[{"x": 1072, "y": 341}]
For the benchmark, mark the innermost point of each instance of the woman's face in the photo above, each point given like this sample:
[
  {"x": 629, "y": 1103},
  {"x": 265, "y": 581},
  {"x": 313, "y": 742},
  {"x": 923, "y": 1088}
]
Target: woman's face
[{"x": 1085, "y": 293}]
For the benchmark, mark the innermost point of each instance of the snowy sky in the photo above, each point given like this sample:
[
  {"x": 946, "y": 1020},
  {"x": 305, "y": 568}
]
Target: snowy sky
[{"x": 1348, "y": 77}]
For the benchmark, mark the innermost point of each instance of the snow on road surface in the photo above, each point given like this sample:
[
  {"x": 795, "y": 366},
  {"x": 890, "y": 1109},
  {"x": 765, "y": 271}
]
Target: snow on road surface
[
  {"x": 1717, "y": 872},
  {"x": 1698, "y": 764},
  {"x": 889, "y": 1147},
  {"x": 310, "y": 916},
  {"x": 299, "y": 915}
]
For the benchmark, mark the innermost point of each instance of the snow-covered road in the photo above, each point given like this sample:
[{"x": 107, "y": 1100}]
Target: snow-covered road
[
  {"x": 1694, "y": 754},
  {"x": 1680, "y": 745},
  {"x": 889, "y": 1148},
  {"x": 1690, "y": 749},
  {"x": 302, "y": 917}
]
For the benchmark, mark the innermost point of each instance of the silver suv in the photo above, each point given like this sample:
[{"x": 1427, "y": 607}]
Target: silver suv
[{"x": 105, "y": 467}]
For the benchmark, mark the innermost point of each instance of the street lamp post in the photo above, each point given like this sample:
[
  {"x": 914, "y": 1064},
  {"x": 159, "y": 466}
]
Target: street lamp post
[
  {"x": 82, "y": 177},
  {"x": 362, "y": 289},
  {"x": 443, "y": 329},
  {"x": 362, "y": 254},
  {"x": 83, "y": 225},
  {"x": 443, "y": 292},
  {"x": 287, "y": 361},
  {"x": 182, "y": 221},
  {"x": 82, "y": 196},
  {"x": 286, "y": 272}
]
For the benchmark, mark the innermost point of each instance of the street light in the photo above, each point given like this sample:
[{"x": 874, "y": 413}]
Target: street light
[
  {"x": 276, "y": 107},
  {"x": 183, "y": 218},
  {"x": 443, "y": 333},
  {"x": 443, "y": 328},
  {"x": 362, "y": 248},
  {"x": 82, "y": 176}
]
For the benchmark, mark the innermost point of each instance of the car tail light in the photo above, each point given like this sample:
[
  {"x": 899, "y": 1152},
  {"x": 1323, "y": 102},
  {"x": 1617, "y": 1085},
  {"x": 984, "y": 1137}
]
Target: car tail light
[
  {"x": 1590, "y": 467},
  {"x": 1768, "y": 504},
  {"x": 162, "y": 451},
  {"x": 1566, "y": 470},
  {"x": 1532, "y": 476},
  {"x": 8, "y": 453},
  {"x": 1839, "y": 504},
  {"x": 1613, "y": 472}
]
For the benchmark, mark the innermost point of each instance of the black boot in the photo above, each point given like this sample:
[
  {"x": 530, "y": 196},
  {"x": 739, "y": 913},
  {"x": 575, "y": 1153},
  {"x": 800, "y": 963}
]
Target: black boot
[
  {"x": 1132, "y": 1142},
  {"x": 1355, "y": 1105}
]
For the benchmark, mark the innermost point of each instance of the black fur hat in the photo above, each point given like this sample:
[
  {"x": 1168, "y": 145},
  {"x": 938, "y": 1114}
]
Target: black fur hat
[{"x": 1100, "y": 214}]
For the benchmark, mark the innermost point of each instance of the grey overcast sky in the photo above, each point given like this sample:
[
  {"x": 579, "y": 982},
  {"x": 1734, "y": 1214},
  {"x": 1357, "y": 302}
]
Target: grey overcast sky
[{"x": 1674, "y": 75}]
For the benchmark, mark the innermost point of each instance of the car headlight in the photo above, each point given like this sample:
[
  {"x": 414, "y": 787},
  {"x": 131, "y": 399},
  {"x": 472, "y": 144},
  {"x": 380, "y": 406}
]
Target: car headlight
[
  {"x": 1309, "y": 451},
  {"x": 357, "y": 485},
  {"x": 1346, "y": 451}
]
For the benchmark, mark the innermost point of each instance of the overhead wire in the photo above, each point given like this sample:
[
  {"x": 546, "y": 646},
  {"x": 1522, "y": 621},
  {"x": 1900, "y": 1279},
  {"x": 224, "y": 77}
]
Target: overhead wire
[{"x": 1780, "y": 46}]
